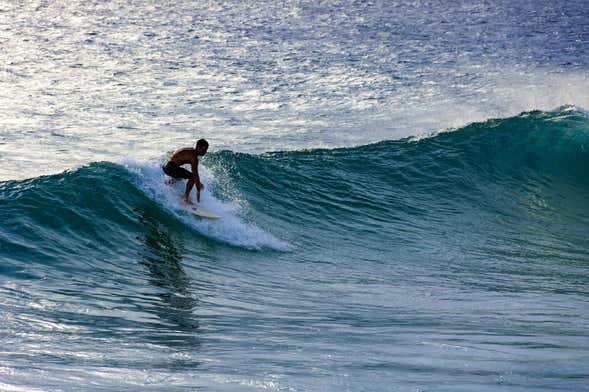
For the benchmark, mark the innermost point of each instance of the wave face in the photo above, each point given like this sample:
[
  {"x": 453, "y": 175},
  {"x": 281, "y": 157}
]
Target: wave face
[
  {"x": 480, "y": 232},
  {"x": 530, "y": 171}
]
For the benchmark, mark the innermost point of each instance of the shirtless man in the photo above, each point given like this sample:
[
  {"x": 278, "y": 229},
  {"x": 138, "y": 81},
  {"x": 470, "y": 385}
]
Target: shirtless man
[{"x": 173, "y": 167}]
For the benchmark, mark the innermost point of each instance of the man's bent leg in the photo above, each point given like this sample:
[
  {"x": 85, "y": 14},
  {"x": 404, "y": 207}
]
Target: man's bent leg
[{"x": 189, "y": 185}]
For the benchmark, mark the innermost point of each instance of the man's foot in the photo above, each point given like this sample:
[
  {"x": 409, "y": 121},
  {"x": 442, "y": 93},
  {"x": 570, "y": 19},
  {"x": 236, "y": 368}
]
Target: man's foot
[{"x": 188, "y": 202}]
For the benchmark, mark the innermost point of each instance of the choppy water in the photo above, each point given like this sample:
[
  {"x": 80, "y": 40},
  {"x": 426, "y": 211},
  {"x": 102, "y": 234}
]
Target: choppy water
[{"x": 360, "y": 249}]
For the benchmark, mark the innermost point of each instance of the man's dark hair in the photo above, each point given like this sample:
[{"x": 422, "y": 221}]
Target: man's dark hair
[{"x": 202, "y": 143}]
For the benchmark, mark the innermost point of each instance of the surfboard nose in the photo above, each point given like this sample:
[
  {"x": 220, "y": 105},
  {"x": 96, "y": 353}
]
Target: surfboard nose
[{"x": 204, "y": 213}]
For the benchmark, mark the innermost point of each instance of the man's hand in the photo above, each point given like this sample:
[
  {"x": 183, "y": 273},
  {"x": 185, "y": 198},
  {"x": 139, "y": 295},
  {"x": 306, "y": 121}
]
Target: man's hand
[{"x": 200, "y": 186}]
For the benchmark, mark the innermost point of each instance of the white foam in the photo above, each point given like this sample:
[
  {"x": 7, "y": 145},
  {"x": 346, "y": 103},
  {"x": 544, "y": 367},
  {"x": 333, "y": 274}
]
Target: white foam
[{"x": 231, "y": 228}]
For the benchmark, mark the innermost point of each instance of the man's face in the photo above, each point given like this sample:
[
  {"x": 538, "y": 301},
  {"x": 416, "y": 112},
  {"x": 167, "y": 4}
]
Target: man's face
[{"x": 201, "y": 150}]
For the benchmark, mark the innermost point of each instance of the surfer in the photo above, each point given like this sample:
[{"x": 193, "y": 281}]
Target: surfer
[{"x": 173, "y": 167}]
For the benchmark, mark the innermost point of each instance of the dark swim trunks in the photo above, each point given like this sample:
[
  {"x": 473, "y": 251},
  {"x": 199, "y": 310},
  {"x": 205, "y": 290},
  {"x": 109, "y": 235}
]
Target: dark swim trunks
[{"x": 174, "y": 170}]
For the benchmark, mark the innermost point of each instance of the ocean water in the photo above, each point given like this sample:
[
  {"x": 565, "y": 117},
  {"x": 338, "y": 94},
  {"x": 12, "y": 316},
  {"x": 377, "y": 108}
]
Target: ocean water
[{"x": 404, "y": 189}]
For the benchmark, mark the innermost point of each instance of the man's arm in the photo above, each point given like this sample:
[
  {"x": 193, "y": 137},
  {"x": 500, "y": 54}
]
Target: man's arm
[{"x": 196, "y": 177}]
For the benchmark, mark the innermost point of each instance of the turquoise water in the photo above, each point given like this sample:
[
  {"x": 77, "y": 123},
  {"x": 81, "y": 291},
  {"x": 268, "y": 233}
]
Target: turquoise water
[
  {"x": 454, "y": 262},
  {"x": 404, "y": 189}
]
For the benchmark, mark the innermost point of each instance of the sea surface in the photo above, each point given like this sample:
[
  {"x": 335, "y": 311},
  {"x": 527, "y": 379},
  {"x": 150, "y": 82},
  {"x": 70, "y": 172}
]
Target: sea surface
[{"x": 404, "y": 189}]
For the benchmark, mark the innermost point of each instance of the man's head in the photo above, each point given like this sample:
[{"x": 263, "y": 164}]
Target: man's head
[{"x": 201, "y": 147}]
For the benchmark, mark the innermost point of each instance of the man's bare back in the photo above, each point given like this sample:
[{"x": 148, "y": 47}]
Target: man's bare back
[{"x": 184, "y": 156}]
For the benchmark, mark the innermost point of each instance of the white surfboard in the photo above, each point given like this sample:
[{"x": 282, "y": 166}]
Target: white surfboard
[{"x": 204, "y": 213}]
